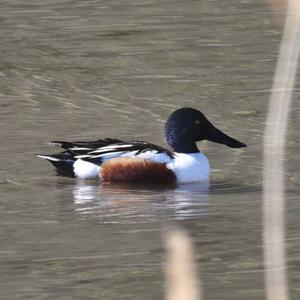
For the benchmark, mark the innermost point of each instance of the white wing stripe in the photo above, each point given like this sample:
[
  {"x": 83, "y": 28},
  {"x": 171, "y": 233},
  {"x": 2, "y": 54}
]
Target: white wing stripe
[
  {"x": 104, "y": 155},
  {"x": 80, "y": 148},
  {"x": 48, "y": 157},
  {"x": 110, "y": 148}
]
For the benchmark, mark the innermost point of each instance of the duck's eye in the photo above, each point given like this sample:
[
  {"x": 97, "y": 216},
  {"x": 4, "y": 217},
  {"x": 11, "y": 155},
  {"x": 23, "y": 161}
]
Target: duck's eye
[{"x": 197, "y": 122}]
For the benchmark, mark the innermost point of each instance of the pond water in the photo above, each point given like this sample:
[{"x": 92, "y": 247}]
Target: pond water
[{"x": 76, "y": 70}]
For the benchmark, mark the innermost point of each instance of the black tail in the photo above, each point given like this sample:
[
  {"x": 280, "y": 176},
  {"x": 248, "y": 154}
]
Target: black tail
[{"x": 63, "y": 163}]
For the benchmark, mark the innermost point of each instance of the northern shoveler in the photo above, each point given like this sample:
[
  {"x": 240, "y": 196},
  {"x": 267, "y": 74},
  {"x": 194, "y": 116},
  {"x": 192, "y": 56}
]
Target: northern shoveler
[{"x": 114, "y": 160}]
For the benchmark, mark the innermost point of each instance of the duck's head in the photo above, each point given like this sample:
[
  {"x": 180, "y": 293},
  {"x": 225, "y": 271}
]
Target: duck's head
[{"x": 186, "y": 126}]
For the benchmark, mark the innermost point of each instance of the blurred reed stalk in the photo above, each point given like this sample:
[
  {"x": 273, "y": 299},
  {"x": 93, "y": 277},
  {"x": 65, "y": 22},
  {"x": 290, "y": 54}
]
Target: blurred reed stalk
[
  {"x": 180, "y": 268},
  {"x": 278, "y": 5},
  {"x": 274, "y": 151}
]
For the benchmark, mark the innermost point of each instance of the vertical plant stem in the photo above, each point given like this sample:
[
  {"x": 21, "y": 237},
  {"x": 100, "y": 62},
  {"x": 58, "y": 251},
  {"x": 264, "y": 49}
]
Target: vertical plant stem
[
  {"x": 180, "y": 268},
  {"x": 274, "y": 142}
]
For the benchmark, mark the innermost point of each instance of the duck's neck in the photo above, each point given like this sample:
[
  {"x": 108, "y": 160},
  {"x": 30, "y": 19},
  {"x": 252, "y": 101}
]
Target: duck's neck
[{"x": 185, "y": 147}]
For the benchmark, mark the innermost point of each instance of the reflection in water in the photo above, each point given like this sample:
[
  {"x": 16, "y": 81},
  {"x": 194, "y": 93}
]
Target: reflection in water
[
  {"x": 191, "y": 200},
  {"x": 185, "y": 201},
  {"x": 85, "y": 193}
]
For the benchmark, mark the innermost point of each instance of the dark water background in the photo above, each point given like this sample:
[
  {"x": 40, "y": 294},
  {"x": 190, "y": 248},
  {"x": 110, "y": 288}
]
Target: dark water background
[{"x": 92, "y": 69}]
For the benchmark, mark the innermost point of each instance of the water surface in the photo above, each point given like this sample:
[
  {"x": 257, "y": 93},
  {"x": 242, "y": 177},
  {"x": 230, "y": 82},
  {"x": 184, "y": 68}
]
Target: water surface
[{"x": 93, "y": 69}]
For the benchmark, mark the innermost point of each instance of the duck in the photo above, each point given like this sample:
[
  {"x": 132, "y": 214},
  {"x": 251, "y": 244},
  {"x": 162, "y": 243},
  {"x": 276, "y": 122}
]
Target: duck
[{"x": 117, "y": 161}]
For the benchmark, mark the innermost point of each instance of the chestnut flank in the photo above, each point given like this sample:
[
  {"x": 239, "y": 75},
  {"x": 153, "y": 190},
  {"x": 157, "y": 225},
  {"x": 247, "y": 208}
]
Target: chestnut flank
[{"x": 135, "y": 170}]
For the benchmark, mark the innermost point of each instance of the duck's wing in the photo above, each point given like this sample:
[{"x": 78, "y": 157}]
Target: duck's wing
[
  {"x": 138, "y": 149},
  {"x": 96, "y": 152},
  {"x": 109, "y": 145},
  {"x": 100, "y": 150},
  {"x": 83, "y": 147}
]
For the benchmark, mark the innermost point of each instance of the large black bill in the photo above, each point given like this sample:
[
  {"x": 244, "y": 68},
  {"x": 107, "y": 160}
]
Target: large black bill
[{"x": 217, "y": 136}]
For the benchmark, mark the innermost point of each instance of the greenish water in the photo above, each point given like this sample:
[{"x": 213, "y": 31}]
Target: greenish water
[{"x": 92, "y": 69}]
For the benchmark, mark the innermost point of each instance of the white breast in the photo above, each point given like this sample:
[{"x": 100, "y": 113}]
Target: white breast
[{"x": 190, "y": 167}]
